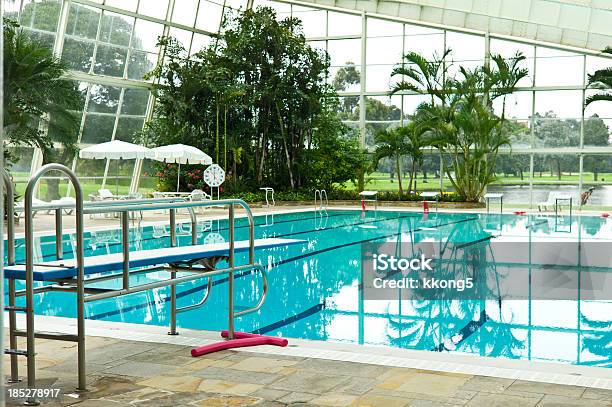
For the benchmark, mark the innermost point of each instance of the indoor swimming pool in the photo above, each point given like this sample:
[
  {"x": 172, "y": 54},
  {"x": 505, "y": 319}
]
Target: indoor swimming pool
[{"x": 315, "y": 287}]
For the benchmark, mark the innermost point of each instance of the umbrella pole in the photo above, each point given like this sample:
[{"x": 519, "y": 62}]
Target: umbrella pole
[
  {"x": 178, "y": 177},
  {"x": 117, "y": 180}
]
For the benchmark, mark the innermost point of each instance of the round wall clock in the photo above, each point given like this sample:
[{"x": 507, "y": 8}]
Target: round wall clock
[{"x": 214, "y": 175}]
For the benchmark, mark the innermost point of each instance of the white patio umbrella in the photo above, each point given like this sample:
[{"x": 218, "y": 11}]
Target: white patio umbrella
[
  {"x": 116, "y": 150},
  {"x": 181, "y": 154}
]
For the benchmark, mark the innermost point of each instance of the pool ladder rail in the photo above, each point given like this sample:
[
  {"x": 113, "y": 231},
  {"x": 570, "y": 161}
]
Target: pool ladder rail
[
  {"x": 323, "y": 201},
  {"x": 77, "y": 284}
]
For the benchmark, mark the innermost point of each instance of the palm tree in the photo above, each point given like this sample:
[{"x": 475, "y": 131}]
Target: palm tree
[
  {"x": 38, "y": 100},
  {"x": 416, "y": 139},
  {"x": 601, "y": 80},
  {"x": 392, "y": 143},
  {"x": 423, "y": 76}
]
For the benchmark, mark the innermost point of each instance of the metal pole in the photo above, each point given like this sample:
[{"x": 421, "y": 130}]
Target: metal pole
[
  {"x": 29, "y": 252},
  {"x": 12, "y": 337},
  {"x": 59, "y": 247},
  {"x": 178, "y": 177},
  {"x": 173, "y": 274},
  {"x": 125, "y": 245},
  {"x": 172, "y": 227},
  {"x": 230, "y": 277}
]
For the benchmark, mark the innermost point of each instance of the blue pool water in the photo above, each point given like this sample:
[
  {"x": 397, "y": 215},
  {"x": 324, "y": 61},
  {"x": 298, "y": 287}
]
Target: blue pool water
[{"x": 314, "y": 288}]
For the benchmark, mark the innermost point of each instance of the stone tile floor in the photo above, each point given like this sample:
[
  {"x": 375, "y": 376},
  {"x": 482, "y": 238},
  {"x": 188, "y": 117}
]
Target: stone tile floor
[{"x": 129, "y": 373}]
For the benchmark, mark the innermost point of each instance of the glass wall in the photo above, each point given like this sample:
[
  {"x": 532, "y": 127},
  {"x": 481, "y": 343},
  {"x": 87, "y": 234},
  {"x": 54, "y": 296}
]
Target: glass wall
[{"x": 111, "y": 44}]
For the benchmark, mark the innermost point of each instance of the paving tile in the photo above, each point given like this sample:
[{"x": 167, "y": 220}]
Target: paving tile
[
  {"x": 356, "y": 385},
  {"x": 546, "y": 388},
  {"x": 487, "y": 384},
  {"x": 334, "y": 400},
  {"x": 137, "y": 369},
  {"x": 173, "y": 383},
  {"x": 309, "y": 382},
  {"x": 460, "y": 398},
  {"x": 228, "y": 401},
  {"x": 266, "y": 365},
  {"x": 433, "y": 384},
  {"x": 142, "y": 395},
  {"x": 341, "y": 368},
  {"x": 394, "y": 378},
  {"x": 562, "y": 401},
  {"x": 297, "y": 397},
  {"x": 372, "y": 400},
  {"x": 228, "y": 374},
  {"x": 164, "y": 358},
  {"x": 269, "y": 394},
  {"x": 597, "y": 394},
  {"x": 501, "y": 400},
  {"x": 430, "y": 403}
]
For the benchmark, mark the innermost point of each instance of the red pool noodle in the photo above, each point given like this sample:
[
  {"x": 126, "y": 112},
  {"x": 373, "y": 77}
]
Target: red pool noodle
[{"x": 242, "y": 340}]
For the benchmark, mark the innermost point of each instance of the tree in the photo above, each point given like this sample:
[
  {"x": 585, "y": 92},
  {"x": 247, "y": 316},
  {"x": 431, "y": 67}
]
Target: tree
[
  {"x": 393, "y": 144},
  {"x": 38, "y": 100},
  {"x": 596, "y": 133},
  {"x": 264, "y": 88},
  {"x": 423, "y": 76},
  {"x": 601, "y": 80},
  {"x": 463, "y": 124}
]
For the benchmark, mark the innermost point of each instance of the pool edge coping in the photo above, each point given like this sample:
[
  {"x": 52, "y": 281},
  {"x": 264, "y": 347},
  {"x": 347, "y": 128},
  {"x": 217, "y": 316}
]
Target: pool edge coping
[{"x": 537, "y": 371}]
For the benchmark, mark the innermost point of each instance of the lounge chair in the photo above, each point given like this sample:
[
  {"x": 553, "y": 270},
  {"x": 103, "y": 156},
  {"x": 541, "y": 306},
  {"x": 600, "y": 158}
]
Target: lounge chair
[{"x": 550, "y": 201}]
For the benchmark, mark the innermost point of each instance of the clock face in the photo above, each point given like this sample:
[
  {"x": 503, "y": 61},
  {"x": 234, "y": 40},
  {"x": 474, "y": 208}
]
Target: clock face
[{"x": 214, "y": 175}]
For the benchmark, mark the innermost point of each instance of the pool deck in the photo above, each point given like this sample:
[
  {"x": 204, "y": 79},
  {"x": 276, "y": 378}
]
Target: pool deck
[{"x": 126, "y": 372}]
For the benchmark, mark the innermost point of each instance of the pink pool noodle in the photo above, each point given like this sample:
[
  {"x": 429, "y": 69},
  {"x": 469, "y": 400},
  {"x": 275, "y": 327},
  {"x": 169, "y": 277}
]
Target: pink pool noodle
[{"x": 242, "y": 340}]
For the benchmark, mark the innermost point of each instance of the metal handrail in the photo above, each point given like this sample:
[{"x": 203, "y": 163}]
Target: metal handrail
[
  {"x": 80, "y": 259},
  {"x": 10, "y": 257},
  {"x": 321, "y": 193},
  {"x": 124, "y": 208}
]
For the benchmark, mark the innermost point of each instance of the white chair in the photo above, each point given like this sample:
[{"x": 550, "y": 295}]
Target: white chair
[
  {"x": 197, "y": 195},
  {"x": 550, "y": 201}
]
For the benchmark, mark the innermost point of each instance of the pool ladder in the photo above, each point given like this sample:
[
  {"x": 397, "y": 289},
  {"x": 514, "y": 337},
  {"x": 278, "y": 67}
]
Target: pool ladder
[{"x": 323, "y": 204}]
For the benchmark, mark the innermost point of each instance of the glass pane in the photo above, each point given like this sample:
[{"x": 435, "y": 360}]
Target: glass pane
[
  {"x": 129, "y": 5},
  {"x": 135, "y": 101},
  {"x": 92, "y": 173},
  {"x": 378, "y": 78},
  {"x": 140, "y": 63},
  {"x": 512, "y": 179},
  {"x": 516, "y": 105},
  {"x": 343, "y": 51},
  {"x": 384, "y": 50},
  {"x": 83, "y": 21},
  {"x": 78, "y": 54},
  {"x": 559, "y": 71},
  {"x": 383, "y": 108},
  {"x": 551, "y": 131},
  {"x": 110, "y": 60},
  {"x": 345, "y": 78},
  {"x": 348, "y": 108},
  {"x": 598, "y": 174},
  {"x": 47, "y": 39},
  {"x": 556, "y": 173},
  {"x": 116, "y": 28},
  {"x": 103, "y": 99},
  {"x": 382, "y": 28},
  {"x": 563, "y": 103},
  {"x": 41, "y": 15},
  {"x": 128, "y": 127},
  {"x": 465, "y": 47},
  {"x": 182, "y": 36},
  {"x": 601, "y": 108},
  {"x": 597, "y": 133},
  {"x": 313, "y": 22},
  {"x": 146, "y": 34},
  {"x": 426, "y": 45},
  {"x": 200, "y": 42},
  {"x": 157, "y": 8},
  {"x": 343, "y": 24},
  {"x": 97, "y": 129},
  {"x": 185, "y": 12},
  {"x": 209, "y": 16}
]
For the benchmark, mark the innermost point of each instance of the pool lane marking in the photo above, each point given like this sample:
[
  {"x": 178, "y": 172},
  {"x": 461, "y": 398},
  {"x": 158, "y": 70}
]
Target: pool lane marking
[
  {"x": 289, "y": 320},
  {"x": 246, "y": 273}
]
